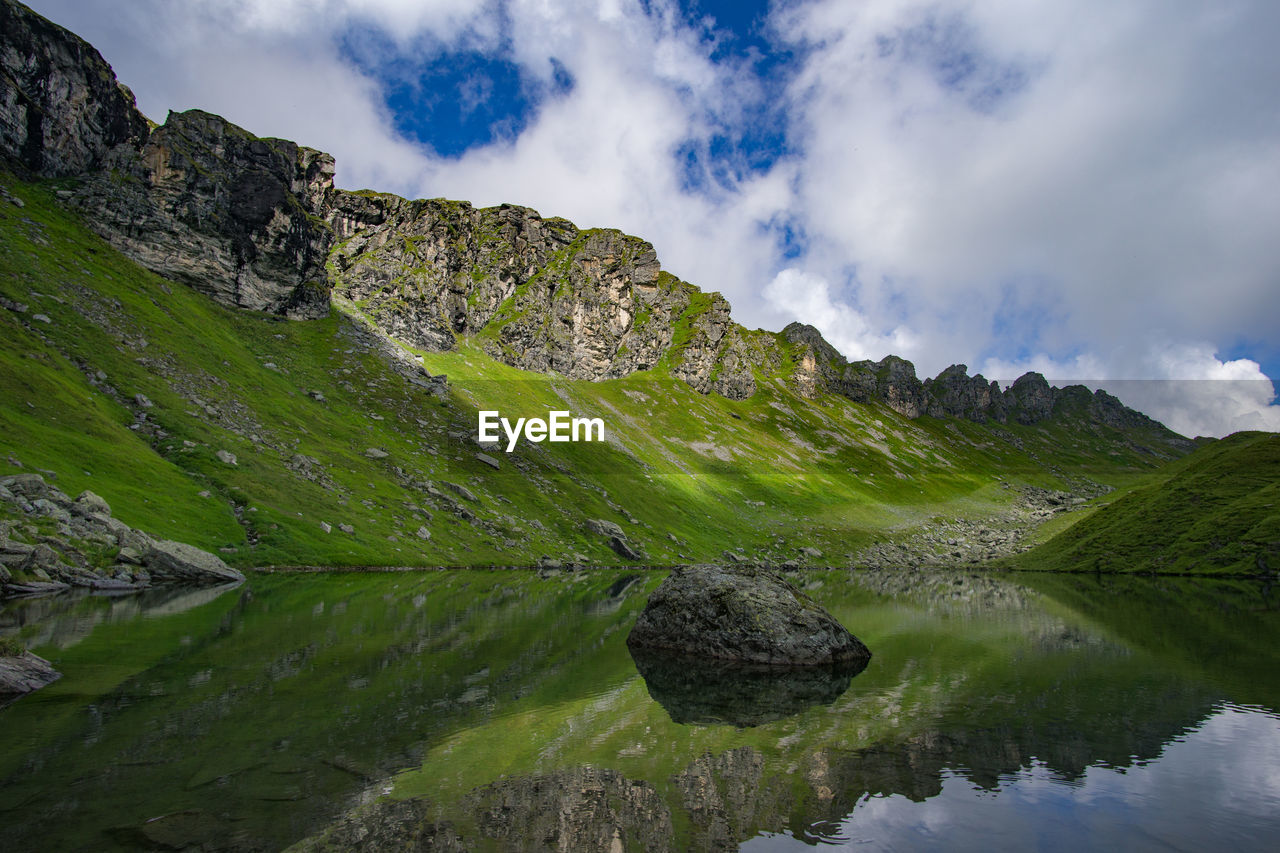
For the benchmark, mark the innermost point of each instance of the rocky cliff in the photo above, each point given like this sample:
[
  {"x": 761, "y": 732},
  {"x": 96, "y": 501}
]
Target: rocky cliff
[
  {"x": 953, "y": 393},
  {"x": 257, "y": 224},
  {"x": 541, "y": 294},
  {"x": 197, "y": 199},
  {"x": 208, "y": 204},
  {"x": 61, "y": 109}
]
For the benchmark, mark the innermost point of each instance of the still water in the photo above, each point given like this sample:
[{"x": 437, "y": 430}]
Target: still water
[{"x": 500, "y": 710}]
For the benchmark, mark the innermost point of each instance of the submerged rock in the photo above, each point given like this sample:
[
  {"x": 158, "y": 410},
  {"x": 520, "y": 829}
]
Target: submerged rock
[{"x": 742, "y": 614}]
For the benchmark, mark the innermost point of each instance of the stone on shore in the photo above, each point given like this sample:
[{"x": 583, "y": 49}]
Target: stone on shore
[
  {"x": 742, "y": 614},
  {"x": 20, "y": 674},
  {"x": 168, "y": 560}
]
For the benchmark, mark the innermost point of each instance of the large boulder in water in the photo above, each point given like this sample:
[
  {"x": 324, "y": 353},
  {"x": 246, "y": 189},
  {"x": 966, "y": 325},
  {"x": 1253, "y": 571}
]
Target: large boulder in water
[{"x": 742, "y": 614}]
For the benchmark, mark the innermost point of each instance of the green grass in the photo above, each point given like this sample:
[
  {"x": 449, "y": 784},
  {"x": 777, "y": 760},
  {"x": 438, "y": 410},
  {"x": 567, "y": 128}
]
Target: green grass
[
  {"x": 689, "y": 476},
  {"x": 1213, "y": 512}
]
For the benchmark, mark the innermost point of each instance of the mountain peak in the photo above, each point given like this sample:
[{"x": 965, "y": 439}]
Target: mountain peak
[{"x": 257, "y": 223}]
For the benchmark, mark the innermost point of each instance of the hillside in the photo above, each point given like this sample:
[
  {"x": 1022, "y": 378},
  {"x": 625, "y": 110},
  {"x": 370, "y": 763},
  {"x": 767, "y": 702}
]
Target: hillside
[
  {"x": 1212, "y": 512},
  {"x": 201, "y": 328}
]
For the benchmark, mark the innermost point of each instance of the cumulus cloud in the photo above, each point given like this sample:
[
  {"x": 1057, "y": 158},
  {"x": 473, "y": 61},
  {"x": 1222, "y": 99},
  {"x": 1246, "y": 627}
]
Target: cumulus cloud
[
  {"x": 808, "y": 299},
  {"x": 1061, "y": 191},
  {"x": 1077, "y": 187}
]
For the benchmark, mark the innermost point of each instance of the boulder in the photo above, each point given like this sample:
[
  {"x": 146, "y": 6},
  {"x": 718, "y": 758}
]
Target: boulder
[
  {"x": 90, "y": 504},
  {"x": 23, "y": 673},
  {"x": 605, "y": 528},
  {"x": 168, "y": 560},
  {"x": 742, "y": 614},
  {"x": 29, "y": 486},
  {"x": 623, "y": 548},
  {"x": 616, "y": 537}
]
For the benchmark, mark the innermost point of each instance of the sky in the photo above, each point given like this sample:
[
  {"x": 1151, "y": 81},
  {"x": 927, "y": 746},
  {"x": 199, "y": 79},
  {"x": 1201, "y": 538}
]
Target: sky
[{"x": 1086, "y": 188}]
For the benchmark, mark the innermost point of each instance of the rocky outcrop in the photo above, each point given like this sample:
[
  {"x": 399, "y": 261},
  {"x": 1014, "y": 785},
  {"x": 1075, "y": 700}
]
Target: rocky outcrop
[
  {"x": 742, "y": 614},
  {"x": 543, "y": 294},
  {"x": 209, "y": 204},
  {"x": 89, "y": 548},
  {"x": 22, "y": 673},
  {"x": 197, "y": 200},
  {"x": 954, "y": 393},
  {"x": 892, "y": 380},
  {"x": 61, "y": 109},
  {"x": 257, "y": 224}
]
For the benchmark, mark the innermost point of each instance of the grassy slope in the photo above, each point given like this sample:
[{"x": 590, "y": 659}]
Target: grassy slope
[
  {"x": 698, "y": 474},
  {"x": 1213, "y": 512}
]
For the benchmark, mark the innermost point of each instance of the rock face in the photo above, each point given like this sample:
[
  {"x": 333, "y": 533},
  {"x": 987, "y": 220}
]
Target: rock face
[
  {"x": 953, "y": 393},
  {"x": 61, "y": 109},
  {"x": 742, "y": 614},
  {"x": 49, "y": 564},
  {"x": 257, "y": 223},
  {"x": 210, "y": 205},
  {"x": 198, "y": 199},
  {"x": 588, "y": 304}
]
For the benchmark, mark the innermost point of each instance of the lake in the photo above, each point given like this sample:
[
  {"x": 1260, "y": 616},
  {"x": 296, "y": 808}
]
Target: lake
[{"x": 501, "y": 710}]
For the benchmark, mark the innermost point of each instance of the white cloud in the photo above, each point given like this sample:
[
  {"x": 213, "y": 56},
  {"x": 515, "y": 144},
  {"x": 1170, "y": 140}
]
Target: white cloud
[
  {"x": 807, "y": 299},
  {"x": 1184, "y": 386},
  {"x": 974, "y": 180}
]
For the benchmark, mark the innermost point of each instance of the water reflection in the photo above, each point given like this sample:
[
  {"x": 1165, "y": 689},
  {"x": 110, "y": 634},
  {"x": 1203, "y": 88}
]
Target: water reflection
[
  {"x": 1212, "y": 788},
  {"x": 501, "y": 711},
  {"x": 701, "y": 690},
  {"x": 64, "y": 620}
]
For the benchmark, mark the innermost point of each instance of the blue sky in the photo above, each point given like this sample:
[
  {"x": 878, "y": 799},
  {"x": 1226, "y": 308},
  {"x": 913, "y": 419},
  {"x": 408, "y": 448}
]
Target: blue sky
[{"x": 1080, "y": 187}]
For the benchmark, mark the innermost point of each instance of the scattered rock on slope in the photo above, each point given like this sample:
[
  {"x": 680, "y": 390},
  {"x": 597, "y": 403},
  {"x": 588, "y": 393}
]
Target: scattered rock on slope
[
  {"x": 616, "y": 537},
  {"x": 742, "y": 614}
]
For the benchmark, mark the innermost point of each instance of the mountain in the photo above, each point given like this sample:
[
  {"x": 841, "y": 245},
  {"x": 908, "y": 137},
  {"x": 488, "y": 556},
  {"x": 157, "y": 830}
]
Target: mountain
[
  {"x": 148, "y": 272},
  {"x": 1213, "y": 512}
]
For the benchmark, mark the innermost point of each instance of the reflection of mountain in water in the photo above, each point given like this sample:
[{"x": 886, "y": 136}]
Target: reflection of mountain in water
[
  {"x": 698, "y": 690},
  {"x": 66, "y": 619},
  {"x": 281, "y": 708},
  {"x": 952, "y": 591},
  {"x": 719, "y": 800},
  {"x": 579, "y": 809}
]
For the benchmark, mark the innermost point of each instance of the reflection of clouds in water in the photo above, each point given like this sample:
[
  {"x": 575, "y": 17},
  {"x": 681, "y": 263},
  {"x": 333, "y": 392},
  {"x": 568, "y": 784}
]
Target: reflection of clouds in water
[{"x": 1217, "y": 787}]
